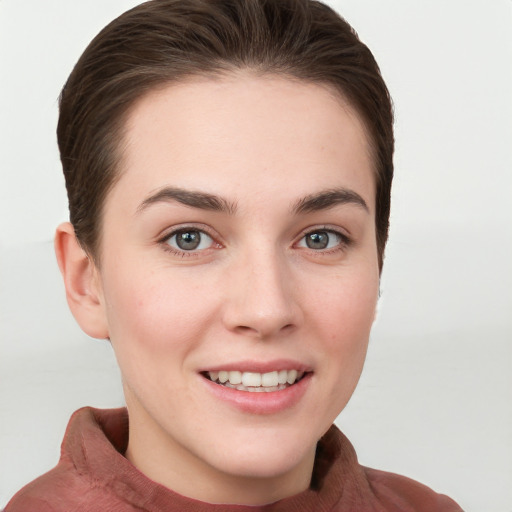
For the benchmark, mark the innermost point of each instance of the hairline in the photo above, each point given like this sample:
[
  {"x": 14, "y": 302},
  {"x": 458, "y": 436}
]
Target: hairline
[{"x": 219, "y": 71}]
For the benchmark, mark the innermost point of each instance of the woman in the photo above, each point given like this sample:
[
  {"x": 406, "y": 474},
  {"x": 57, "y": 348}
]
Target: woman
[{"x": 228, "y": 167}]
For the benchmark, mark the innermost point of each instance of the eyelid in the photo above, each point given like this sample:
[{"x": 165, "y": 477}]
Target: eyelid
[
  {"x": 204, "y": 238},
  {"x": 344, "y": 233},
  {"x": 191, "y": 226},
  {"x": 345, "y": 239},
  {"x": 166, "y": 233}
]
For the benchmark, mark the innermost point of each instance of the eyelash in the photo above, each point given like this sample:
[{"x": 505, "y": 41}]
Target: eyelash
[
  {"x": 343, "y": 241},
  {"x": 164, "y": 241}
]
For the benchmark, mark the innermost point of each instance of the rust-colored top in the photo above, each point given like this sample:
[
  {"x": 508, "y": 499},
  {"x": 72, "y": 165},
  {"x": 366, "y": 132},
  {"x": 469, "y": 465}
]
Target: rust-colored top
[{"x": 93, "y": 475}]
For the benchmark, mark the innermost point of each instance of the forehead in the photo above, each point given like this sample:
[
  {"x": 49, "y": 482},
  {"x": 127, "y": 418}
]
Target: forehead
[{"x": 244, "y": 133}]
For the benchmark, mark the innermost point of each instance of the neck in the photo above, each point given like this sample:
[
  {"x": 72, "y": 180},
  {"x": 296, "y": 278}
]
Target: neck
[{"x": 164, "y": 460}]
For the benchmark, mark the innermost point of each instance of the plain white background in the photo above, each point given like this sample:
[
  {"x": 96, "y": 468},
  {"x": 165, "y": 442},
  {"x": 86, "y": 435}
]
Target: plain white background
[{"x": 435, "y": 399}]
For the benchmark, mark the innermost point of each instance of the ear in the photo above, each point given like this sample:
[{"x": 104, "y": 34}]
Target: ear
[
  {"x": 377, "y": 303},
  {"x": 82, "y": 281}
]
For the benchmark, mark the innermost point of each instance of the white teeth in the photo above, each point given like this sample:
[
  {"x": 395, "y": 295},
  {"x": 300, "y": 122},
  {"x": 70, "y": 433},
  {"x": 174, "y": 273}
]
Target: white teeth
[
  {"x": 252, "y": 381},
  {"x": 260, "y": 389},
  {"x": 269, "y": 379},
  {"x": 292, "y": 375},
  {"x": 235, "y": 378}
]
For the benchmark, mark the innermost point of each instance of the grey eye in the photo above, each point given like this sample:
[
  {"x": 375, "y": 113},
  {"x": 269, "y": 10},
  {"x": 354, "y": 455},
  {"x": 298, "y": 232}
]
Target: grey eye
[
  {"x": 190, "y": 240},
  {"x": 319, "y": 240}
]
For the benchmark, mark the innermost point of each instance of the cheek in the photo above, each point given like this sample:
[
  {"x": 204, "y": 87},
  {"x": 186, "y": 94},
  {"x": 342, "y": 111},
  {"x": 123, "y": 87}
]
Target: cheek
[
  {"x": 155, "y": 325},
  {"x": 156, "y": 313},
  {"x": 345, "y": 317},
  {"x": 347, "y": 308}
]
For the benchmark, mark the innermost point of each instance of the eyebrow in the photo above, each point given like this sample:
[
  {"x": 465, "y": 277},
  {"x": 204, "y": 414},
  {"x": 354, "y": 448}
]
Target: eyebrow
[
  {"x": 328, "y": 199},
  {"x": 192, "y": 198},
  {"x": 318, "y": 201}
]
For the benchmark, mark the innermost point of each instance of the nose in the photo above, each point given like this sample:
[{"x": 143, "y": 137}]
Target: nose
[{"x": 260, "y": 298}]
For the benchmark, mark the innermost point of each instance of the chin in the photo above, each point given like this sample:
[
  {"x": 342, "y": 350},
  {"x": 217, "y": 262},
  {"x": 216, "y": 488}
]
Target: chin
[{"x": 263, "y": 455}]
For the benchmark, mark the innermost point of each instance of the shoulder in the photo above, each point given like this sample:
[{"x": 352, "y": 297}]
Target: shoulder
[
  {"x": 76, "y": 483},
  {"x": 39, "y": 495},
  {"x": 397, "y": 492},
  {"x": 353, "y": 487},
  {"x": 64, "y": 489}
]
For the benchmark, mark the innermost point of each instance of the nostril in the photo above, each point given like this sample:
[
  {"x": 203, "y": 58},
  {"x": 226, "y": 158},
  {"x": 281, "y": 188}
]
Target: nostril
[
  {"x": 245, "y": 328},
  {"x": 262, "y": 333}
]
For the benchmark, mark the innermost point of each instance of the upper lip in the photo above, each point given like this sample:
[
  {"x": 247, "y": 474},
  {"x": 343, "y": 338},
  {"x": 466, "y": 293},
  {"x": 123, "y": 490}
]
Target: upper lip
[{"x": 259, "y": 366}]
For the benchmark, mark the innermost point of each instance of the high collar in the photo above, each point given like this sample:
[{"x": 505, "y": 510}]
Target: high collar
[{"x": 96, "y": 440}]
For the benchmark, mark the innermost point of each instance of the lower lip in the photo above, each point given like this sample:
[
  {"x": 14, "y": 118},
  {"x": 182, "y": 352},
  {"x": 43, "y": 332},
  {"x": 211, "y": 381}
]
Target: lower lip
[{"x": 270, "y": 402}]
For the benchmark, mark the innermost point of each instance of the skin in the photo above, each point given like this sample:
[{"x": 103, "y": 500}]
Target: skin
[{"x": 253, "y": 291}]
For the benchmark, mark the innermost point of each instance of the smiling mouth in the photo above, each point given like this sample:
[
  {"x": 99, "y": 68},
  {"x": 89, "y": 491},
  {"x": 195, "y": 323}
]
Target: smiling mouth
[{"x": 256, "y": 382}]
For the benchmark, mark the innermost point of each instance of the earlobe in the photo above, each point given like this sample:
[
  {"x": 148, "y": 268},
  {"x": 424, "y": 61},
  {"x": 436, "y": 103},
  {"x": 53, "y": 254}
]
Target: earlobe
[{"x": 81, "y": 280}]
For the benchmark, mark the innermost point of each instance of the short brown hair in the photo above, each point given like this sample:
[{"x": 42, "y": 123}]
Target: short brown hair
[{"x": 164, "y": 41}]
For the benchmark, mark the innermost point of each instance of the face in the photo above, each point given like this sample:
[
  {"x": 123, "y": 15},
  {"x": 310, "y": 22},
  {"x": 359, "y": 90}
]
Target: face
[{"x": 238, "y": 244}]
